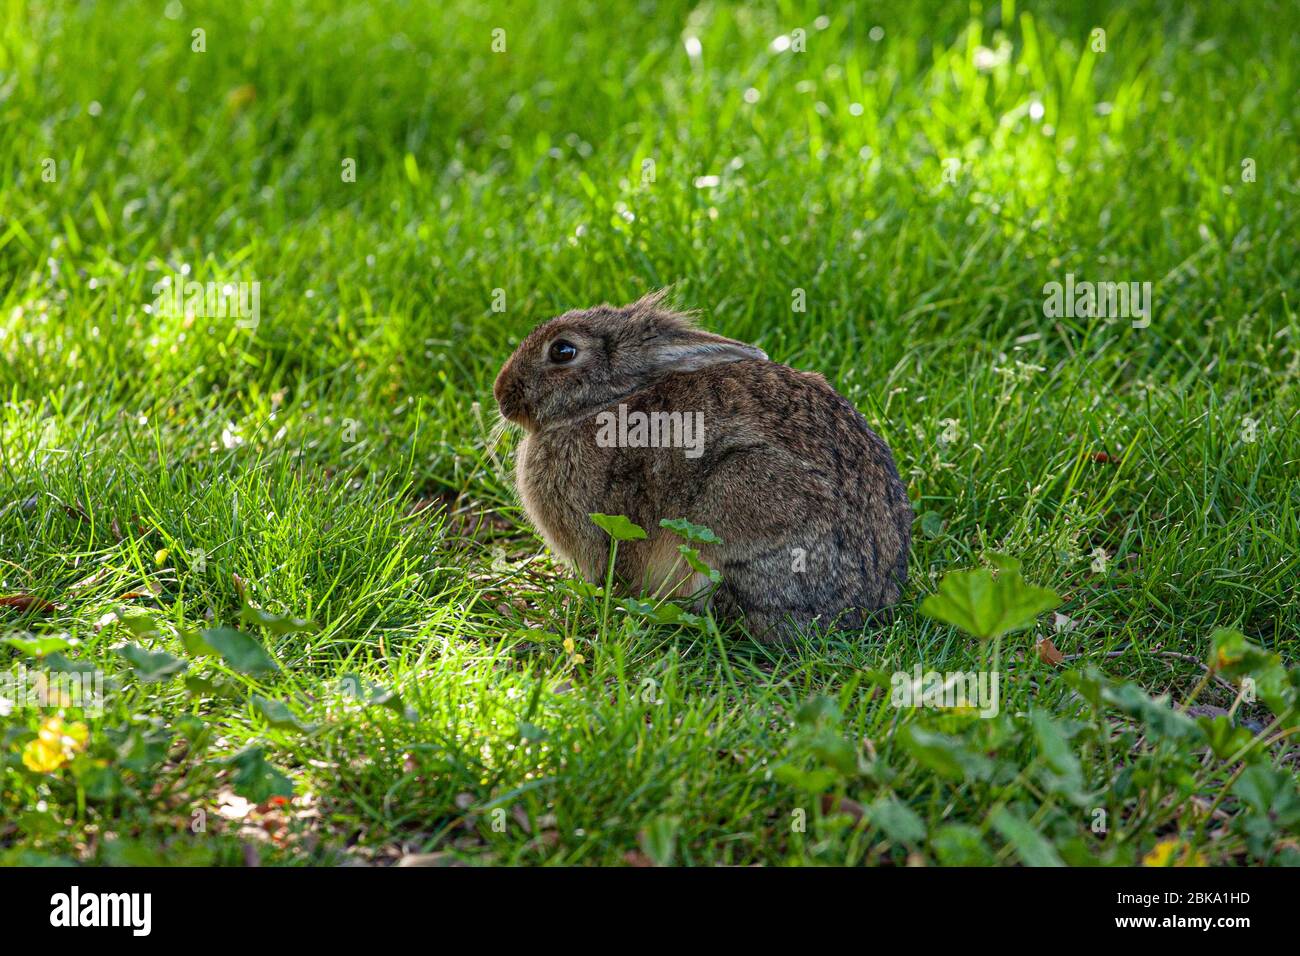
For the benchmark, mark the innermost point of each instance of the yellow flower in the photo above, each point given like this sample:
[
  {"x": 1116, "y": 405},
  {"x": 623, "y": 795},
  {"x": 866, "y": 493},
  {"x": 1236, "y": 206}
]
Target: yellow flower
[
  {"x": 56, "y": 743},
  {"x": 569, "y": 645},
  {"x": 40, "y": 758},
  {"x": 1163, "y": 854}
]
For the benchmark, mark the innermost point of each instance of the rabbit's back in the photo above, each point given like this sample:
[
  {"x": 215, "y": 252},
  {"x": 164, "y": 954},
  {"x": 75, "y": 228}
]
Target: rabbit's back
[
  {"x": 816, "y": 523},
  {"x": 814, "y": 520}
]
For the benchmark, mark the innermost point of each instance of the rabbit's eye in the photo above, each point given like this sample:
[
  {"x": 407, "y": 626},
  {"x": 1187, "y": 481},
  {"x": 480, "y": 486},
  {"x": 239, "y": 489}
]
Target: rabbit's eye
[{"x": 563, "y": 351}]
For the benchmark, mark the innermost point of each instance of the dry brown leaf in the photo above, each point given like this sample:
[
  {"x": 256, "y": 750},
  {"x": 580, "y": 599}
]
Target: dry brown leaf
[
  {"x": 1048, "y": 653},
  {"x": 27, "y": 603}
]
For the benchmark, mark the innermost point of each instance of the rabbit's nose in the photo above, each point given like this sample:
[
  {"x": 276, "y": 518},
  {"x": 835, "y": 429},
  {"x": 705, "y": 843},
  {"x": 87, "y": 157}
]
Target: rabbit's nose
[
  {"x": 499, "y": 388},
  {"x": 508, "y": 395}
]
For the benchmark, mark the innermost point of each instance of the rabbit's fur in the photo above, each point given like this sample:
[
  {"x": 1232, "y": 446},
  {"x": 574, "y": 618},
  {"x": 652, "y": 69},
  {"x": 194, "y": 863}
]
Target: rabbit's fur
[{"x": 814, "y": 521}]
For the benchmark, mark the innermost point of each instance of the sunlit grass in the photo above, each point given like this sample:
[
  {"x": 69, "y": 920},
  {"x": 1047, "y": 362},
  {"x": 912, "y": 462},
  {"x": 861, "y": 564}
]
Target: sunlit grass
[{"x": 918, "y": 171}]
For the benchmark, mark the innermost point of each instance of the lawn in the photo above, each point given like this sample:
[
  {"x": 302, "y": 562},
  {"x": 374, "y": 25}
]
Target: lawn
[{"x": 286, "y": 549}]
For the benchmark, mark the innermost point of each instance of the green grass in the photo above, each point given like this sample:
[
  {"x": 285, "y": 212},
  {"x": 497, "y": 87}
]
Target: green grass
[{"x": 334, "y": 463}]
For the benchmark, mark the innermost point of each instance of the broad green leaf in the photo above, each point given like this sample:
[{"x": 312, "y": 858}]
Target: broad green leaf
[
  {"x": 958, "y": 844},
  {"x": 372, "y": 695},
  {"x": 1233, "y": 655},
  {"x": 816, "y": 709},
  {"x": 932, "y": 524},
  {"x": 833, "y": 750},
  {"x": 1030, "y": 845},
  {"x": 697, "y": 563},
  {"x": 193, "y": 728},
  {"x": 151, "y": 666},
  {"x": 57, "y": 663},
  {"x": 275, "y": 623},
  {"x": 1054, "y": 747},
  {"x": 897, "y": 820},
  {"x": 1089, "y": 682},
  {"x": 691, "y": 532},
  {"x": 40, "y": 646},
  {"x": 143, "y": 751},
  {"x": 664, "y": 613},
  {"x": 945, "y": 755},
  {"x": 1229, "y": 650},
  {"x": 240, "y": 651},
  {"x": 816, "y": 781},
  {"x": 1226, "y": 738},
  {"x": 195, "y": 645},
  {"x": 987, "y": 606},
  {"x": 205, "y": 687},
  {"x": 670, "y": 613},
  {"x": 100, "y": 783},
  {"x": 278, "y": 714},
  {"x": 530, "y": 732},
  {"x": 618, "y": 527},
  {"x": 140, "y": 625},
  {"x": 256, "y": 780},
  {"x": 1156, "y": 715},
  {"x": 583, "y": 589},
  {"x": 1272, "y": 794}
]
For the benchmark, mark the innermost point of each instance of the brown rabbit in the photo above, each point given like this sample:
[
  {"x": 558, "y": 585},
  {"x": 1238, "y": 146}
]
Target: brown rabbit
[{"x": 814, "y": 521}]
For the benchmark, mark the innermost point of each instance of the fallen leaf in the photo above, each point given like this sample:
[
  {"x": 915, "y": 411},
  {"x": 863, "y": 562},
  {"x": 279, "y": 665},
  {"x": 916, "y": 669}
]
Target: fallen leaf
[
  {"x": 1048, "y": 653},
  {"x": 27, "y": 603},
  {"x": 1062, "y": 624}
]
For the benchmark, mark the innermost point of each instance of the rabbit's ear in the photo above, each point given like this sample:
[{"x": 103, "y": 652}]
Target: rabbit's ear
[{"x": 688, "y": 350}]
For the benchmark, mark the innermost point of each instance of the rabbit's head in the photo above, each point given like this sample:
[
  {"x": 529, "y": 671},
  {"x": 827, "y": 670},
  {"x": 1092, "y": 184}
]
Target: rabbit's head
[{"x": 589, "y": 359}]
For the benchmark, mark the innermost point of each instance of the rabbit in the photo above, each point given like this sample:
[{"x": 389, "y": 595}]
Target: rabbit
[{"x": 815, "y": 524}]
